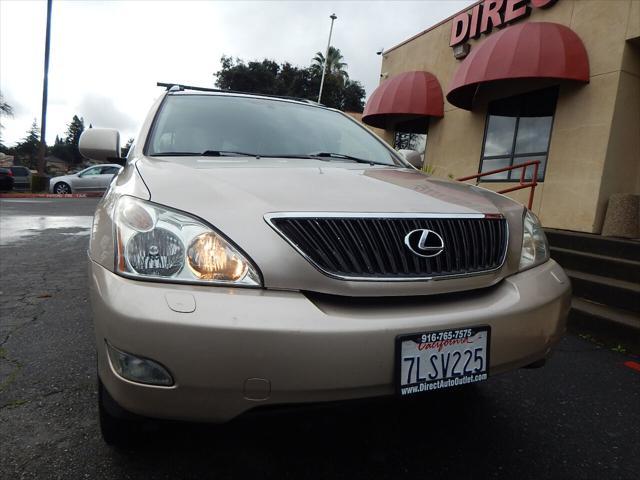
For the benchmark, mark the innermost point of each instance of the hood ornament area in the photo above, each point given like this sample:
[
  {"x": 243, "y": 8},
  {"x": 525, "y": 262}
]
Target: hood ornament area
[{"x": 424, "y": 243}]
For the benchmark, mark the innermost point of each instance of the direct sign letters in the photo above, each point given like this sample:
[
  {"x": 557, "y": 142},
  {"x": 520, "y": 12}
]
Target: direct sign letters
[{"x": 484, "y": 16}]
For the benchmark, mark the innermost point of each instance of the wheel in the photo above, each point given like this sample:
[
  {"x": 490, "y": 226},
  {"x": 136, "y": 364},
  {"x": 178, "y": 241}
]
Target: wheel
[
  {"x": 116, "y": 429},
  {"x": 61, "y": 187}
]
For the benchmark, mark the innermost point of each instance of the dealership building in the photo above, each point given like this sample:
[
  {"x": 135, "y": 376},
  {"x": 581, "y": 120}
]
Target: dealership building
[{"x": 551, "y": 83}]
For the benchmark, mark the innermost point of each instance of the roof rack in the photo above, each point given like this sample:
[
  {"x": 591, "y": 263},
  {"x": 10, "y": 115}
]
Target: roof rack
[{"x": 177, "y": 87}]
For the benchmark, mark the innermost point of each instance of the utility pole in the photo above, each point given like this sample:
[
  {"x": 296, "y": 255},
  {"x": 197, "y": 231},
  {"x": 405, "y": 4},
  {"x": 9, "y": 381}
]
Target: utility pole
[
  {"x": 45, "y": 85},
  {"x": 326, "y": 55}
]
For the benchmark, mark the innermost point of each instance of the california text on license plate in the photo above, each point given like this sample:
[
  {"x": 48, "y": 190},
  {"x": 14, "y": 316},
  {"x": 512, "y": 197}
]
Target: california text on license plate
[{"x": 434, "y": 360}]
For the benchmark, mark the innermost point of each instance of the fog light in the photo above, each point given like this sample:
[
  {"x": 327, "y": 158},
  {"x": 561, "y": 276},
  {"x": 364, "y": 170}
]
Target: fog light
[{"x": 136, "y": 369}]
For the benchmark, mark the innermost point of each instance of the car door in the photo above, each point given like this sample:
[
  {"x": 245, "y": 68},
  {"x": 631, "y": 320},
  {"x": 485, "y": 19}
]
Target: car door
[
  {"x": 106, "y": 175},
  {"x": 88, "y": 179}
]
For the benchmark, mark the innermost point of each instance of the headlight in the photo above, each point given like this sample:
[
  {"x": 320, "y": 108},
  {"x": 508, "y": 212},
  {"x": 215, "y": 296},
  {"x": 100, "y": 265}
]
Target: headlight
[
  {"x": 155, "y": 242},
  {"x": 535, "y": 248}
]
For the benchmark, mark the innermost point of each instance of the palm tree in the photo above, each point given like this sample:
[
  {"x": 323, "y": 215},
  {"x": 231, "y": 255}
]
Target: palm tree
[{"x": 335, "y": 65}]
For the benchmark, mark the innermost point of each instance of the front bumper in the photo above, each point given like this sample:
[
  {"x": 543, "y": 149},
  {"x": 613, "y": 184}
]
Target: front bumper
[{"x": 241, "y": 348}]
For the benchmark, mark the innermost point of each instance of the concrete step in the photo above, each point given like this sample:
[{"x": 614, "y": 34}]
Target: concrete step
[
  {"x": 612, "y": 267},
  {"x": 602, "y": 319},
  {"x": 607, "y": 291},
  {"x": 594, "y": 244}
]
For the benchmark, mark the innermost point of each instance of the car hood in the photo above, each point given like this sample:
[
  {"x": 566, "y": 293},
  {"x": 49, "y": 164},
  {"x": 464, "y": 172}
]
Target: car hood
[
  {"x": 234, "y": 195},
  {"x": 259, "y": 186}
]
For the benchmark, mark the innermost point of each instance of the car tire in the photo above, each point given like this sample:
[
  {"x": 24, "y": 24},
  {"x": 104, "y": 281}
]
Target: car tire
[
  {"x": 61, "y": 188},
  {"x": 117, "y": 429}
]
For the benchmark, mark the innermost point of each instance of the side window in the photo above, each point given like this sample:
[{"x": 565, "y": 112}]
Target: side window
[
  {"x": 92, "y": 171},
  {"x": 110, "y": 170},
  {"x": 410, "y": 141},
  {"x": 518, "y": 130},
  {"x": 412, "y": 135}
]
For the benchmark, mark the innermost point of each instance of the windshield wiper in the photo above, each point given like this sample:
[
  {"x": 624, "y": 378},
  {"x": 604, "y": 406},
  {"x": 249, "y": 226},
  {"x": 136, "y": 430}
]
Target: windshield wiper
[
  {"x": 343, "y": 156},
  {"x": 223, "y": 153},
  {"x": 327, "y": 156},
  {"x": 206, "y": 153}
]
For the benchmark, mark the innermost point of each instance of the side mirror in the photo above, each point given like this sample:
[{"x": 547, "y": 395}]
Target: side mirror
[
  {"x": 413, "y": 157},
  {"x": 102, "y": 145}
]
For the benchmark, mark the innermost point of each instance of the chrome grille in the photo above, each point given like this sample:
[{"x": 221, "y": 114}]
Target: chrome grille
[{"x": 371, "y": 247}]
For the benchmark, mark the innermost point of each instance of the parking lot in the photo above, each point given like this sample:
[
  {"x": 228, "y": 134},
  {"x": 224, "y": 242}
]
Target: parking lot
[{"x": 579, "y": 417}]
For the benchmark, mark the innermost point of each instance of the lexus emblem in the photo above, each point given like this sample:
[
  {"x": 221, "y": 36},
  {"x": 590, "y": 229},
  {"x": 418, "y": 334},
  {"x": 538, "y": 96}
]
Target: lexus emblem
[{"x": 424, "y": 243}]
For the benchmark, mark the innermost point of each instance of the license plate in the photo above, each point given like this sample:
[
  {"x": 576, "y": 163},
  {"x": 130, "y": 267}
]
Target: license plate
[{"x": 434, "y": 360}]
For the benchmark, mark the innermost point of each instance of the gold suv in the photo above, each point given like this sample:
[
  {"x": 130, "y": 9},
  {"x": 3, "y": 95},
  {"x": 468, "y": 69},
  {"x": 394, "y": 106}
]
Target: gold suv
[{"x": 259, "y": 251}]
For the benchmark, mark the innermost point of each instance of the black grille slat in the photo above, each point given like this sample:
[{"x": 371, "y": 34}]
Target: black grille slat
[
  {"x": 342, "y": 246},
  {"x": 387, "y": 244},
  {"x": 400, "y": 247},
  {"x": 503, "y": 237},
  {"x": 306, "y": 243},
  {"x": 372, "y": 247},
  {"x": 448, "y": 254},
  {"x": 325, "y": 252},
  {"x": 476, "y": 261},
  {"x": 457, "y": 264},
  {"x": 414, "y": 258},
  {"x": 484, "y": 238},
  {"x": 378, "y": 252},
  {"x": 492, "y": 242},
  {"x": 357, "y": 245}
]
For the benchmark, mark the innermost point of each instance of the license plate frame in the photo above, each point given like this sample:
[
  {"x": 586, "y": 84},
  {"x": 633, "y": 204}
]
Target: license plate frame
[{"x": 434, "y": 336}]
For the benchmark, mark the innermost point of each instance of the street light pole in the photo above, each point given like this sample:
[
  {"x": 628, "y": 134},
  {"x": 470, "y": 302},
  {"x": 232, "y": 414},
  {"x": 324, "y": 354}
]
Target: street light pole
[
  {"x": 326, "y": 55},
  {"x": 45, "y": 86}
]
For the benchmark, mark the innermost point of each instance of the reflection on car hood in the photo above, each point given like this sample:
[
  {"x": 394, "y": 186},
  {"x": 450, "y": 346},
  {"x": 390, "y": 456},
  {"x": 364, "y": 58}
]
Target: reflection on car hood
[{"x": 258, "y": 186}]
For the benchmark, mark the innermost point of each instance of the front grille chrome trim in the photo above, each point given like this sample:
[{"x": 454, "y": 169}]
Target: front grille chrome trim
[{"x": 270, "y": 217}]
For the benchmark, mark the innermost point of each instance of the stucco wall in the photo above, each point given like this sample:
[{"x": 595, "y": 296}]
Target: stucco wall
[
  {"x": 622, "y": 163},
  {"x": 585, "y": 151}
]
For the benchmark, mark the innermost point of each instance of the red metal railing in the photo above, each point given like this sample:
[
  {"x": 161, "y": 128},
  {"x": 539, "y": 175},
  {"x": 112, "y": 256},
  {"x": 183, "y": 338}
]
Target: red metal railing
[{"x": 523, "y": 184}]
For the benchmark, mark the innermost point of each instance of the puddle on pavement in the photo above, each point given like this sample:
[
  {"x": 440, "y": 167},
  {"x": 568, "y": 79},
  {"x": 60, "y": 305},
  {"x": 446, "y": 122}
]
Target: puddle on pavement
[{"x": 13, "y": 228}]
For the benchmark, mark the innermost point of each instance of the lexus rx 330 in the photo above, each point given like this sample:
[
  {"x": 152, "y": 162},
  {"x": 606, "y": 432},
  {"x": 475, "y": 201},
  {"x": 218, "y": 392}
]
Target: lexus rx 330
[{"x": 266, "y": 251}]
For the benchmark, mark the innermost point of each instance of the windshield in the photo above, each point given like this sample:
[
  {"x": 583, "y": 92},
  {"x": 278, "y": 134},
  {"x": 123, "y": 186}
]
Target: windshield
[{"x": 195, "y": 124}]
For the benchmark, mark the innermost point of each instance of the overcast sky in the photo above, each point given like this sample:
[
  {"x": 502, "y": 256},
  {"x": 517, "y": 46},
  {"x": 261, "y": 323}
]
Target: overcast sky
[{"x": 106, "y": 57}]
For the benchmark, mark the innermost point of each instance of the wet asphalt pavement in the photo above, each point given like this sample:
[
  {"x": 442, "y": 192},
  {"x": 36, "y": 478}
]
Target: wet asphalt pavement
[{"x": 578, "y": 417}]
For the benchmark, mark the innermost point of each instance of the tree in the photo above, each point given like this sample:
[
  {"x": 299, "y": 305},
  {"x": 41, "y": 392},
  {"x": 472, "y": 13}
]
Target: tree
[
  {"x": 124, "y": 151},
  {"x": 353, "y": 96},
  {"x": 335, "y": 65},
  {"x": 74, "y": 130},
  {"x": 258, "y": 77},
  {"x": 269, "y": 77},
  {"x": 61, "y": 150},
  {"x": 67, "y": 148},
  {"x": 27, "y": 149},
  {"x": 5, "y": 109}
]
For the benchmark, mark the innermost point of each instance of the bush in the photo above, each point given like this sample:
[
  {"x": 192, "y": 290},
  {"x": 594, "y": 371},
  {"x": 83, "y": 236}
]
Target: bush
[{"x": 39, "y": 183}]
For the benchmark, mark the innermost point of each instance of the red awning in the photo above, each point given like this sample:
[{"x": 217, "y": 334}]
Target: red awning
[
  {"x": 524, "y": 51},
  {"x": 406, "y": 100}
]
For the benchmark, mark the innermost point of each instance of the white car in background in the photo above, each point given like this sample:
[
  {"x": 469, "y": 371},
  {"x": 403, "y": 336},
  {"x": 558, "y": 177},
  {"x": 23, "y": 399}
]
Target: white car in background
[{"x": 92, "y": 179}]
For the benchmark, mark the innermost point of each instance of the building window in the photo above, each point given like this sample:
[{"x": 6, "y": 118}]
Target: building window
[
  {"x": 410, "y": 141},
  {"x": 518, "y": 130}
]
